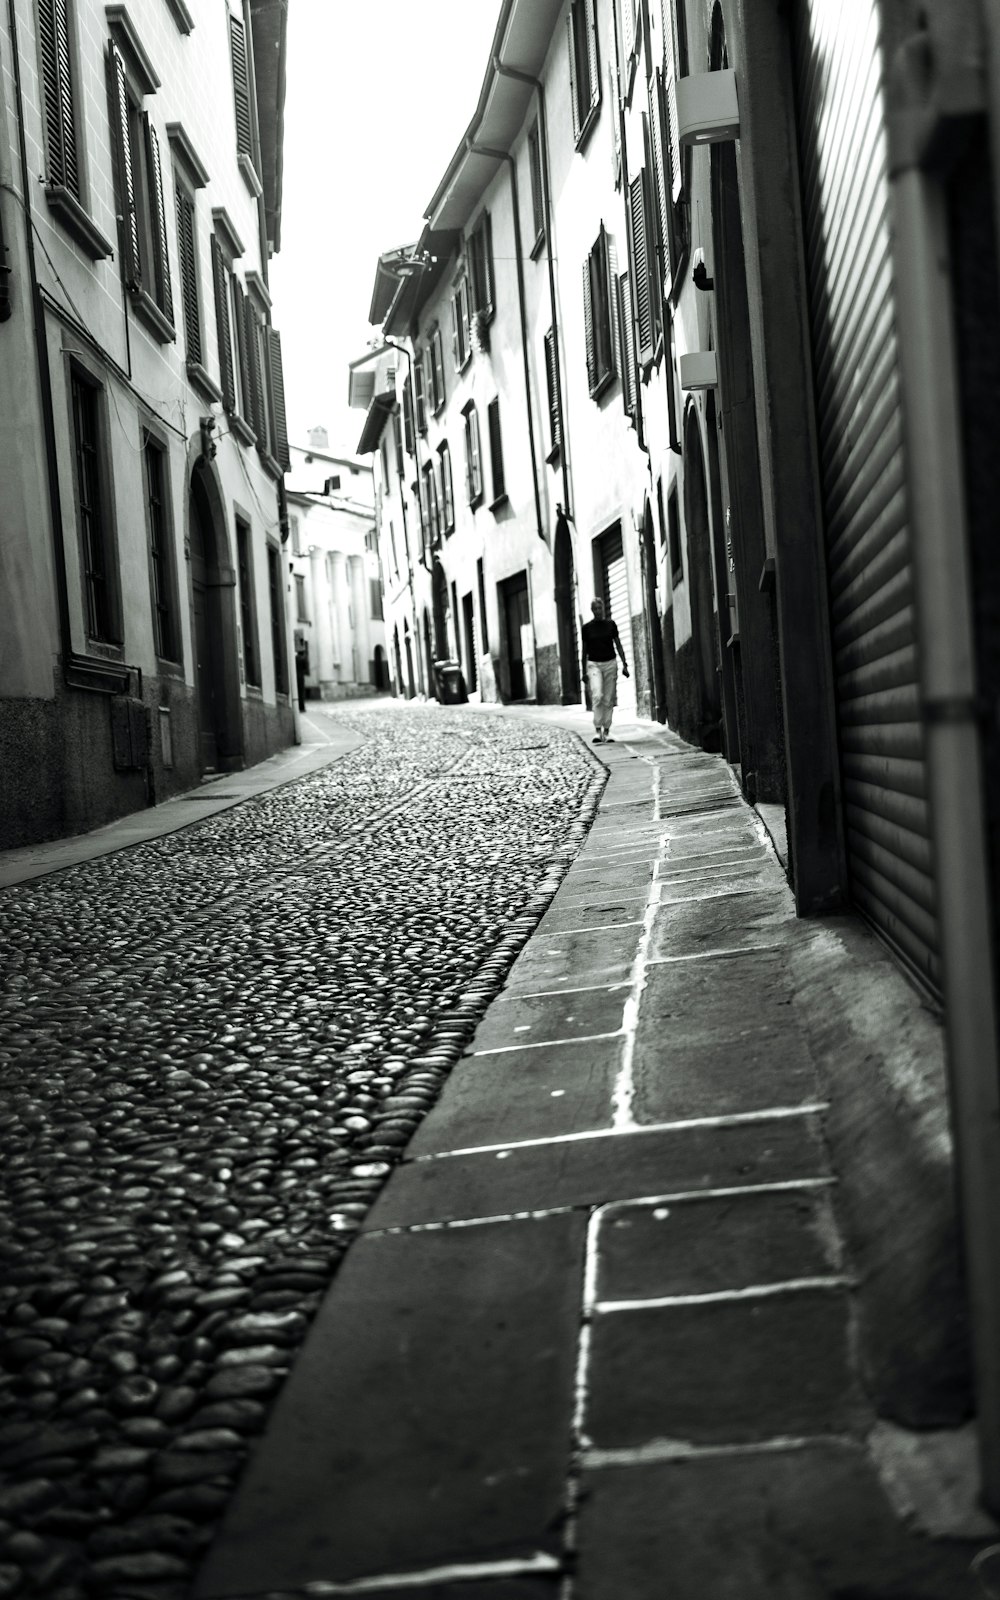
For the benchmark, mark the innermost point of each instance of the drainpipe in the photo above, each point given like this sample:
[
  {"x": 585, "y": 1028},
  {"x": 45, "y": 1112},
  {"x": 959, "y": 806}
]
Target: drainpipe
[
  {"x": 504, "y": 155},
  {"x": 951, "y": 717},
  {"x": 394, "y": 345},
  {"x": 543, "y": 144}
]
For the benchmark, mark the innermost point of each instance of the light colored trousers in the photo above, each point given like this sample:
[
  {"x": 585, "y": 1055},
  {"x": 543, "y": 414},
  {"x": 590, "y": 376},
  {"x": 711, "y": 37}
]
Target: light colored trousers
[{"x": 602, "y": 679}]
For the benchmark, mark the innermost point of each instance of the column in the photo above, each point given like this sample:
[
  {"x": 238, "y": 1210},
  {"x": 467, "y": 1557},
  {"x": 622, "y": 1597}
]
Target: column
[
  {"x": 359, "y": 597},
  {"x": 322, "y": 666}
]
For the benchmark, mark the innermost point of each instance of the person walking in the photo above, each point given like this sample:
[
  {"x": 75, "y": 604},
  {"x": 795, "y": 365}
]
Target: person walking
[{"x": 600, "y": 642}]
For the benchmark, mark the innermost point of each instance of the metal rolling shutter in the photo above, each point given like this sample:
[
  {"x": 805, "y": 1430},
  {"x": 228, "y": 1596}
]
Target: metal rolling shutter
[
  {"x": 845, "y": 214},
  {"x": 614, "y": 582}
]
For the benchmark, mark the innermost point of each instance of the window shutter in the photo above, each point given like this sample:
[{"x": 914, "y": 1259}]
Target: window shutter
[
  {"x": 242, "y": 345},
  {"x": 223, "y": 329},
  {"x": 537, "y": 197},
  {"x": 552, "y": 386},
  {"x": 588, "y": 323},
  {"x": 241, "y": 85},
  {"x": 595, "y": 69},
  {"x": 573, "y": 91},
  {"x": 256, "y": 375},
  {"x": 131, "y": 259},
  {"x": 447, "y": 489},
  {"x": 455, "y": 339},
  {"x": 408, "y": 416},
  {"x": 438, "y": 355},
  {"x": 628, "y": 26},
  {"x": 640, "y": 268},
  {"x": 189, "y": 276},
  {"x": 496, "y": 449},
  {"x": 611, "y": 301},
  {"x": 673, "y": 148},
  {"x": 57, "y": 85},
  {"x": 276, "y": 373},
  {"x": 158, "y": 221},
  {"x": 628, "y": 345},
  {"x": 487, "y": 235},
  {"x": 418, "y": 393},
  {"x": 477, "y": 460},
  {"x": 656, "y": 125}
]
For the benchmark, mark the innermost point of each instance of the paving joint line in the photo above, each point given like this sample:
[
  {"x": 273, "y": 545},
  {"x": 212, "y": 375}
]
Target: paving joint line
[{"x": 752, "y": 1292}]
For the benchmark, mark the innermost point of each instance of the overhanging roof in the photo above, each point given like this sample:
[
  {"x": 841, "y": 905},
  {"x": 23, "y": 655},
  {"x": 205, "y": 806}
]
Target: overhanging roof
[
  {"x": 521, "y": 42},
  {"x": 269, "y": 24},
  {"x": 371, "y": 375},
  {"x": 388, "y": 280},
  {"x": 436, "y": 248},
  {"x": 379, "y": 412}
]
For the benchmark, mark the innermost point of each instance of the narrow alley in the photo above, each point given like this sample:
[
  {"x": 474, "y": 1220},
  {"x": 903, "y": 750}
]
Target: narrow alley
[{"x": 453, "y": 1206}]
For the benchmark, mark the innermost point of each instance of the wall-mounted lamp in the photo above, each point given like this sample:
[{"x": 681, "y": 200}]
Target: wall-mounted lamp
[
  {"x": 699, "y": 370},
  {"x": 699, "y": 272},
  {"x": 707, "y": 108}
]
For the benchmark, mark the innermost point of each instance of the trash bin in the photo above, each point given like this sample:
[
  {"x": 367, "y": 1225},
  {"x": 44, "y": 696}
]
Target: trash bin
[{"x": 450, "y": 683}]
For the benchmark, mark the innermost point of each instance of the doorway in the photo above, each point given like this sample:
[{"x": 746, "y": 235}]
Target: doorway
[
  {"x": 381, "y": 666},
  {"x": 439, "y": 594},
  {"x": 566, "y": 616},
  {"x": 214, "y": 632},
  {"x": 654, "y": 625},
  {"x": 611, "y": 585},
  {"x": 703, "y": 611},
  {"x": 471, "y": 653},
  {"x": 515, "y": 608}
]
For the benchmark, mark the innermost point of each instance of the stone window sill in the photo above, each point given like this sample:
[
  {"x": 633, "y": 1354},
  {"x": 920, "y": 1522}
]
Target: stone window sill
[
  {"x": 248, "y": 172},
  {"x": 148, "y": 312},
  {"x": 77, "y": 222},
  {"x": 200, "y": 380}
]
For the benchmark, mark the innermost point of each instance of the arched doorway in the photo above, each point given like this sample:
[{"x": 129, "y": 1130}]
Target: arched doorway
[
  {"x": 566, "y": 619},
  {"x": 397, "y": 658},
  {"x": 654, "y": 627},
  {"x": 213, "y": 580},
  {"x": 762, "y": 739},
  {"x": 381, "y": 670},
  {"x": 439, "y": 595},
  {"x": 429, "y": 657},
  {"x": 408, "y": 643},
  {"x": 726, "y": 598},
  {"x": 703, "y": 619}
]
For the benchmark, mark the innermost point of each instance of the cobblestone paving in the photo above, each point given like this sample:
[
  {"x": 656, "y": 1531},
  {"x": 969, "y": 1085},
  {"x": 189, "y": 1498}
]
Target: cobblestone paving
[{"x": 213, "y": 1047}]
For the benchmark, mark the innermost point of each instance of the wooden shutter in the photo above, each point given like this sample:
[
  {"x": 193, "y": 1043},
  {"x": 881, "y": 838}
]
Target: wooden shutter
[
  {"x": 241, "y": 86},
  {"x": 418, "y": 393},
  {"x": 629, "y": 382},
  {"x": 57, "y": 86},
  {"x": 189, "y": 275},
  {"x": 408, "y": 416},
  {"x": 588, "y": 323},
  {"x": 628, "y": 27},
  {"x": 611, "y": 302},
  {"x": 673, "y": 145},
  {"x": 222, "y": 326},
  {"x": 158, "y": 226},
  {"x": 574, "y": 93},
  {"x": 276, "y": 373},
  {"x": 590, "y": 11},
  {"x": 455, "y": 336},
  {"x": 663, "y": 216},
  {"x": 496, "y": 449},
  {"x": 437, "y": 356},
  {"x": 640, "y": 268},
  {"x": 552, "y": 386},
  {"x": 242, "y": 345},
  {"x": 537, "y": 196},
  {"x": 131, "y": 257},
  {"x": 257, "y": 410}
]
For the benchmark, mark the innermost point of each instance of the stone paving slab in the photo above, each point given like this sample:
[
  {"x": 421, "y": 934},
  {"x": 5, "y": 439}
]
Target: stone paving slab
[
  {"x": 576, "y": 958},
  {"x": 592, "y": 1170},
  {"x": 629, "y": 875},
  {"x": 729, "y": 1372},
  {"x": 523, "y": 1094},
  {"x": 749, "y": 878},
  {"x": 709, "y": 1244},
  {"x": 486, "y": 1589},
  {"x": 715, "y": 999},
  {"x": 805, "y": 1524},
  {"x": 603, "y": 912},
  {"x": 725, "y": 922},
  {"x": 520, "y": 1019},
  {"x": 420, "y": 1425},
  {"x": 685, "y": 1076}
]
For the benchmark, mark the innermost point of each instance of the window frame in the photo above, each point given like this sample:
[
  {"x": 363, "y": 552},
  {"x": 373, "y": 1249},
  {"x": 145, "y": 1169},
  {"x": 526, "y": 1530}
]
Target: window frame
[
  {"x": 480, "y": 268},
  {"x": 537, "y": 186},
  {"x": 140, "y": 195},
  {"x": 447, "y": 487},
  {"x": 602, "y": 353},
  {"x": 63, "y": 127},
  {"x": 247, "y": 597},
  {"x": 162, "y": 552},
  {"x": 473, "y": 455},
  {"x": 93, "y": 503},
  {"x": 675, "y": 550},
  {"x": 461, "y": 341},
  {"x": 584, "y": 58},
  {"x": 495, "y": 434}
]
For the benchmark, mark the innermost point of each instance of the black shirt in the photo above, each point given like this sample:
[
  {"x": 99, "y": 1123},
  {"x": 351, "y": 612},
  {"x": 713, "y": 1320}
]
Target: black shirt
[{"x": 600, "y": 636}]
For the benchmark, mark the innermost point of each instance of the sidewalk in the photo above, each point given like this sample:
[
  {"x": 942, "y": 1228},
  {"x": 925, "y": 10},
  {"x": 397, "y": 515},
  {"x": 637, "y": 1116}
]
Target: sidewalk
[{"x": 597, "y": 1339}]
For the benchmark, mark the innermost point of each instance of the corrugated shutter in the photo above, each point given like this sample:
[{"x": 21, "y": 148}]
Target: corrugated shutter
[
  {"x": 640, "y": 267},
  {"x": 614, "y": 586},
  {"x": 276, "y": 375},
  {"x": 241, "y": 86},
  {"x": 130, "y": 220},
  {"x": 223, "y": 328},
  {"x": 552, "y": 389},
  {"x": 846, "y": 199},
  {"x": 158, "y": 223},
  {"x": 189, "y": 276}
]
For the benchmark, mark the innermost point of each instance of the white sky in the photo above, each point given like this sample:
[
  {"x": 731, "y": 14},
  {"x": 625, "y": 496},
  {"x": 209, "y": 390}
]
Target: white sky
[{"x": 379, "y": 96}]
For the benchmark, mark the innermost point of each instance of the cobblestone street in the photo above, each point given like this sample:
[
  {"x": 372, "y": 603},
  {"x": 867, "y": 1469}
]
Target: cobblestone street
[{"x": 214, "y": 1046}]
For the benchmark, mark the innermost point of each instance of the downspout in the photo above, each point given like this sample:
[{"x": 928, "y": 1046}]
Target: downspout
[
  {"x": 951, "y": 716},
  {"x": 394, "y": 345},
  {"x": 504, "y": 155},
  {"x": 543, "y": 142}
]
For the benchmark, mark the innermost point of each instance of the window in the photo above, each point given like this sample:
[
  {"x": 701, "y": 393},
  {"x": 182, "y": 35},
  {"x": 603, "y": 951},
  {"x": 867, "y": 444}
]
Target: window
[
  {"x": 537, "y": 192},
  {"x": 447, "y": 488},
  {"x": 145, "y": 262},
  {"x": 584, "y": 68},
  {"x": 248, "y": 611},
  {"x": 481, "y": 585},
  {"x": 628, "y": 28},
  {"x": 432, "y": 516},
  {"x": 188, "y": 260},
  {"x": 460, "y": 321},
  {"x": 301, "y": 610},
  {"x": 600, "y": 313},
  {"x": 243, "y": 103},
  {"x": 473, "y": 458},
  {"x": 674, "y": 537},
  {"x": 496, "y": 452},
  {"x": 164, "y": 586},
  {"x": 435, "y": 371},
  {"x": 397, "y": 441},
  {"x": 408, "y": 415},
  {"x": 375, "y": 590},
  {"x": 552, "y": 389},
  {"x": 276, "y": 598},
  {"x": 296, "y": 528},
  {"x": 674, "y": 159},
  {"x": 64, "y": 177},
  {"x": 481, "y": 266},
  {"x": 260, "y": 360},
  {"x": 418, "y": 391},
  {"x": 92, "y": 510},
  {"x": 648, "y": 310}
]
